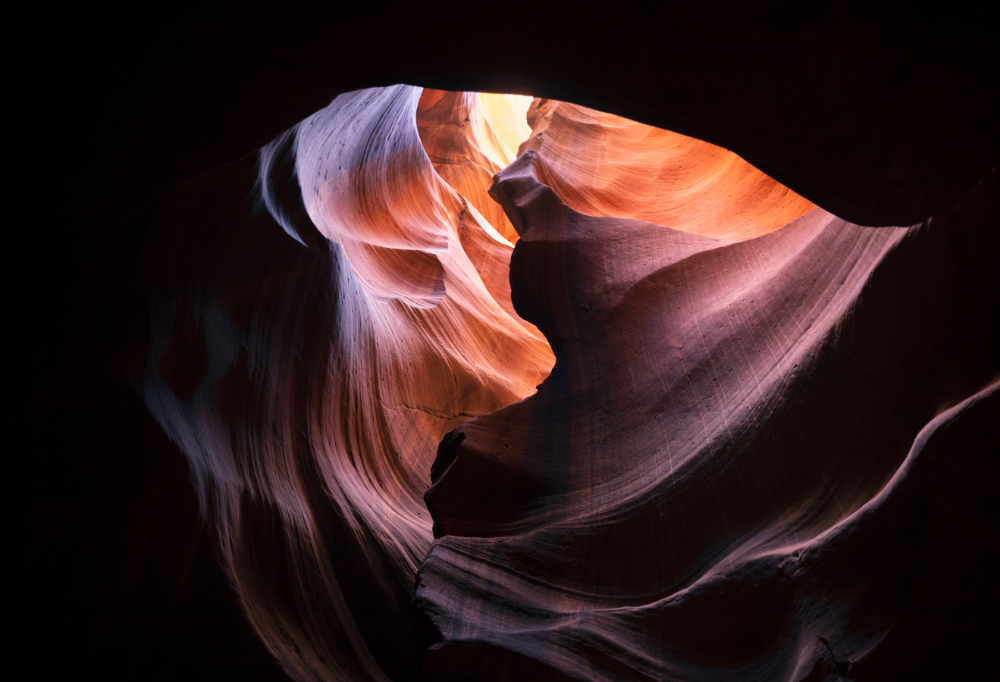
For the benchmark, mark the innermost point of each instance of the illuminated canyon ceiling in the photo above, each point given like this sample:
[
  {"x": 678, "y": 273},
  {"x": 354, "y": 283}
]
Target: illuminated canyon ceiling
[{"x": 452, "y": 385}]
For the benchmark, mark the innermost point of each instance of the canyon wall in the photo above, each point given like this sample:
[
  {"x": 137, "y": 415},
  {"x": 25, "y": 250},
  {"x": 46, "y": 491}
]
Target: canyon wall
[
  {"x": 732, "y": 424},
  {"x": 226, "y": 400}
]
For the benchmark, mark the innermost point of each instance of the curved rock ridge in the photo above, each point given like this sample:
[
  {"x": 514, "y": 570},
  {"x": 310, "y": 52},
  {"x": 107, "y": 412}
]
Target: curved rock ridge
[
  {"x": 605, "y": 165},
  {"x": 730, "y": 472},
  {"x": 309, "y": 387}
]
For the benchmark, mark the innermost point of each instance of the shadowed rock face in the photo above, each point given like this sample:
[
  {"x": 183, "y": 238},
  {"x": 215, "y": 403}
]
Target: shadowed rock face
[
  {"x": 767, "y": 448},
  {"x": 691, "y": 494}
]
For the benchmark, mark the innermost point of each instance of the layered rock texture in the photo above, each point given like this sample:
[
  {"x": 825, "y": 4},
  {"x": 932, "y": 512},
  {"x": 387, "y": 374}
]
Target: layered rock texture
[
  {"x": 309, "y": 388},
  {"x": 381, "y": 377},
  {"x": 702, "y": 489},
  {"x": 726, "y": 475},
  {"x": 605, "y": 165}
]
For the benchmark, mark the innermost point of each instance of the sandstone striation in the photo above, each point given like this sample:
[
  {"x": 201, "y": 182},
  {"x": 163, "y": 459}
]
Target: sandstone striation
[
  {"x": 472, "y": 390},
  {"x": 726, "y": 475},
  {"x": 731, "y": 427},
  {"x": 605, "y": 165},
  {"x": 309, "y": 387}
]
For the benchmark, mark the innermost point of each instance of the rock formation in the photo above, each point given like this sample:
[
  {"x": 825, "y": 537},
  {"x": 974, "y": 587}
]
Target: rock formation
[
  {"x": 680, "y": 364},
  {"x": 605, "y": 165},
  {"x": 309, "y": 388},
  {"x": 687, "y": 493},
  {"x": 725, "y": 433}
]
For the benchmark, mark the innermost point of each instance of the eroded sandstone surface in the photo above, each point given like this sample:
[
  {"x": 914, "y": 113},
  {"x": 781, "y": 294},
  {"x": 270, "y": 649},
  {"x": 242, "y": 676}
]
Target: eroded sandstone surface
[{"x": 578, "y": 399}]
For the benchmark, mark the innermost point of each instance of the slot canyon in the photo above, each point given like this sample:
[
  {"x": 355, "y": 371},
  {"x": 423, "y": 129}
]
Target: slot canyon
[{"x": 506, "y": 343}]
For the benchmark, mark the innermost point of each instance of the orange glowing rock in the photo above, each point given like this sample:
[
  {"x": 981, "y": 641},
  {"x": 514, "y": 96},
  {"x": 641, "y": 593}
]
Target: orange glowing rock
[
  {"x": 466, "y": 149},
  {"x": 605, "y": 165}
]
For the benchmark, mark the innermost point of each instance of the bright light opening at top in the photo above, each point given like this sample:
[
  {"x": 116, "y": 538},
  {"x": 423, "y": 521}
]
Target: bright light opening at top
[{"x": 507, "y": 115}]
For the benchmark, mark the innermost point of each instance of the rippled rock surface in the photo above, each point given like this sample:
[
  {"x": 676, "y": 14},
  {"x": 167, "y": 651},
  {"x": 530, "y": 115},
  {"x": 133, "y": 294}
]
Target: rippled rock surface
[
  {"x": 309, "y": 387},
  {"x": 758, "y": 446},
  {"x": 739, "y": 464}
]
